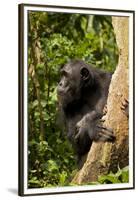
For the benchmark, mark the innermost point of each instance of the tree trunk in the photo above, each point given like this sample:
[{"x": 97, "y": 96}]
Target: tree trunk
[
  {"x": 36, "y": 59},
  {"x": 105, "y": 157}
]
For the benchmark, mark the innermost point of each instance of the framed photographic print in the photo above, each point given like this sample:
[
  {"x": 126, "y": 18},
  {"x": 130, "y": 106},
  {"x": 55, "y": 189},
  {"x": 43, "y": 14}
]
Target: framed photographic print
[{"x": 76, "y": 99}]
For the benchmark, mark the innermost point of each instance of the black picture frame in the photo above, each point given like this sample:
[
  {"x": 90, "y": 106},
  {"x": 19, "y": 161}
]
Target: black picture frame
[{"x": 23, "y": 106}]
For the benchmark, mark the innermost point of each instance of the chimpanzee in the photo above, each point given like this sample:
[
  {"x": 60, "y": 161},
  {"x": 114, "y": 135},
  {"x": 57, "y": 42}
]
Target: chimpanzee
[
  {"x": 125, "y": 107},
  {"x": 82, "y": 93}
]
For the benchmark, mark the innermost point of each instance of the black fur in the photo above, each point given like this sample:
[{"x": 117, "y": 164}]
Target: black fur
[{"x": 82, "y": 93}]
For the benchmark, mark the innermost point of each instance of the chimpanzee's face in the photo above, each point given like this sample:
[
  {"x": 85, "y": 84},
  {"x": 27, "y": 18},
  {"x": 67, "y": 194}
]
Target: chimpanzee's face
[{"x": 72, "y": 79}]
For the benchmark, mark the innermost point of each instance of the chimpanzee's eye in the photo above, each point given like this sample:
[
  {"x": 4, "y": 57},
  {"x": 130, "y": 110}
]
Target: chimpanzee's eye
[{"x": 64, "y": 73}]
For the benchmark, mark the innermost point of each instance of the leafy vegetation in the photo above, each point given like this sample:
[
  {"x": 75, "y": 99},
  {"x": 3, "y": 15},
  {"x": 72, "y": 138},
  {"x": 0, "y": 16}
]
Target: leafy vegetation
[
  {"x": 121, "y": 176},
  {"x": 55, "y": 38}
]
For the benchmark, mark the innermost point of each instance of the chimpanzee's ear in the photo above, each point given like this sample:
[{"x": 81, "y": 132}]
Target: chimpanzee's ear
[{"x": 85, "y": 74}]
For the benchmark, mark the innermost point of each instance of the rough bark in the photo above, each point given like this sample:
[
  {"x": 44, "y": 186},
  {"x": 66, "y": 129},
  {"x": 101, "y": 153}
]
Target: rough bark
[{"x": 105, "y": 157}]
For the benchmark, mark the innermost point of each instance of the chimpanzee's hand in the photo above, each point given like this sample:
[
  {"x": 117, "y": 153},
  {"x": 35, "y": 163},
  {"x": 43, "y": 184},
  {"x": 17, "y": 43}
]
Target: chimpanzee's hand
[
  {"x": 92, "y": 126},
  {"x": 103, "y": 133},
  {"x": 125, "y": 107}
]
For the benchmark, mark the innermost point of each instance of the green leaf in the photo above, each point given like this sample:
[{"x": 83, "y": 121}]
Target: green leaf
[
  {"x": 35, "y": 103},
  {"x": 62, "y": 178},
  {"x": 83, "y": 23},
  {"x": 110, "y": 178},
  {"x": 52, "y": 165}
]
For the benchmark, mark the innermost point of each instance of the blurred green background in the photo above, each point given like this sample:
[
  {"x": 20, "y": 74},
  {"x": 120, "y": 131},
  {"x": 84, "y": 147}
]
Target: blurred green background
[{"x": 54, "y": 39}]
